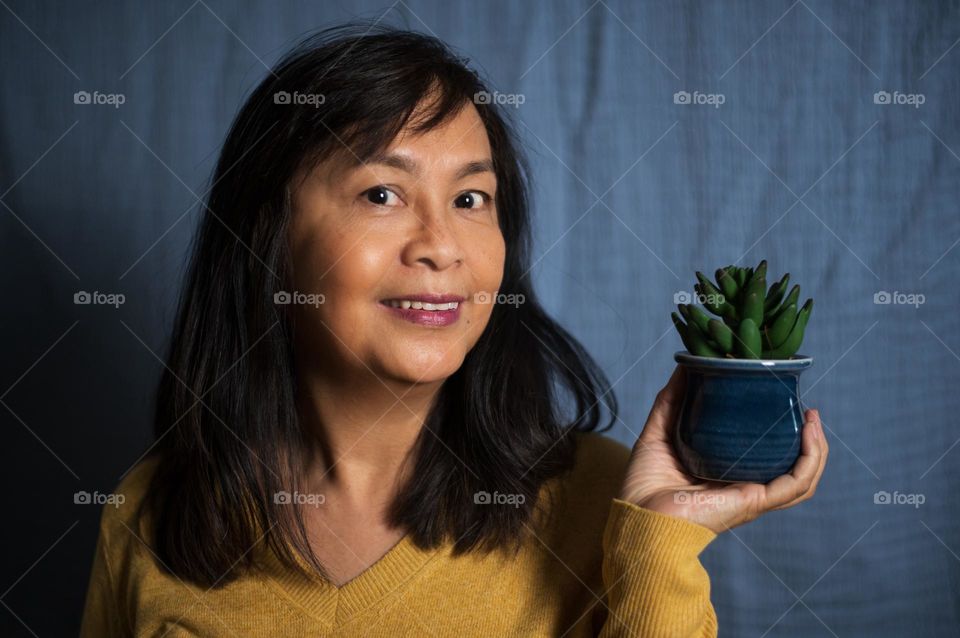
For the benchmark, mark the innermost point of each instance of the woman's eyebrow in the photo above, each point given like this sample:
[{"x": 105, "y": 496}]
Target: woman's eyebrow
[
  {"x": 408, "y": 165},
  {"x": 473, "y": 168}
]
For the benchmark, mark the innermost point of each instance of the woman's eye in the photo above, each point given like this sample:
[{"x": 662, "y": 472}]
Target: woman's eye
[
  {"x": 472, "y": 199},
  {"x": 381, "y": 196}
]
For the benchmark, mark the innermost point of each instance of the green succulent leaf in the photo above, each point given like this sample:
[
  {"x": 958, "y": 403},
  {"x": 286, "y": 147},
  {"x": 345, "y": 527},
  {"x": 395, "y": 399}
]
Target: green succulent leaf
[
  {"x": 740, "y": 274},
  {"x": 695, "y": 315},
  {"x": 699, "y": 345},
  {"x": 728, "y": 285},
  {"x": 722, "y": 335},
  {"x": 751, "y": 320},
  {"x": 682, "y": 330},
  {"x": 776, "y": 292},
  {"x": 761, "y": 270},
  {"x": 752, "y": 306},
  {"x": 779, "y": 330},
  {"x": 792, "y": 343},
  {"x": 748, "y": 342},
  {"x": 792, "y": 298}
]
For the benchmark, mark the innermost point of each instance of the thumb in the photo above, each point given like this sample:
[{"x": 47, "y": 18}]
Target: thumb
[{"x": 666, "y": 407}]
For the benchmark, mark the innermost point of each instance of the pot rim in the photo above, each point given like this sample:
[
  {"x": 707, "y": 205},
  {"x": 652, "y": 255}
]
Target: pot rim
[{"x": 796, "y": 362}]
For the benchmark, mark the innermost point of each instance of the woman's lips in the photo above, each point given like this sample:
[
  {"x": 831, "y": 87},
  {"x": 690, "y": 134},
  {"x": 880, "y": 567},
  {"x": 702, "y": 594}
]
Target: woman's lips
[{"x": 437, "y": 318}]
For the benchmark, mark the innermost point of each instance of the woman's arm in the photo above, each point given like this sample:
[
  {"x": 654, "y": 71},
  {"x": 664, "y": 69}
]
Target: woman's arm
[
  {"x": 663, "y": 519},
  {"x": 101, "y": 612},
  {"x": 653, "y": 581}
]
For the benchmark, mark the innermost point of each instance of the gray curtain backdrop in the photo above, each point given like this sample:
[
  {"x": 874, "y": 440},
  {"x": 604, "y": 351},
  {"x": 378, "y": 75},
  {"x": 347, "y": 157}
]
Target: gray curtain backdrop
[{"x": 665, "y": 137}]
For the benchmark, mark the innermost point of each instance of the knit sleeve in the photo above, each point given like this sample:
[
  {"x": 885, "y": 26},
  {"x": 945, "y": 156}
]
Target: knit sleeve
[
  {"x": 101, "y": 612},
  {"x": 654, "y": 582}
]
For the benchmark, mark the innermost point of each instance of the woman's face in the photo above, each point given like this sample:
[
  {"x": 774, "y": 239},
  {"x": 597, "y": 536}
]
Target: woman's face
[{"x": 418, "y": 220}]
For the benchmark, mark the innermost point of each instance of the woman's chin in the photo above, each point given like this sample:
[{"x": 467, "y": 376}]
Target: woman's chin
[{"x": 424, "y": 368}]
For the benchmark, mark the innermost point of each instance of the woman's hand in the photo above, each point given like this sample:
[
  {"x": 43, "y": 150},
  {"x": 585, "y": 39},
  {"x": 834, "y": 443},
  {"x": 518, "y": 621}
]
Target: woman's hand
[{"x": 656, "y": 480}]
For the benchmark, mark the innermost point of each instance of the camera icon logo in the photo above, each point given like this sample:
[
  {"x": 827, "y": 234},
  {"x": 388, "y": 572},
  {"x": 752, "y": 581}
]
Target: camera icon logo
[
  {"x": 481, "y": 97},
  {"x": 481, "y": 498},
  {"x": 681, "y": 97},
  {"x": 881, "y": 297},
  {"x": 282, "y": 298},
  {"x": 281, "y": 97},
  {"x": 81, "y": 97},
  {"x": 881, "y": 97},
  {"x": 881, "y": 498},
  {"x": 681, "y": 296},
  {"x": 82, "y": 298}
]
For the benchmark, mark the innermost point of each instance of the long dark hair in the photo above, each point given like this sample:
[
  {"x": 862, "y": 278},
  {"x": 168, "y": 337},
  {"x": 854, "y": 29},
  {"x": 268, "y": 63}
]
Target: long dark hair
[{"x": 227, "y": 432}]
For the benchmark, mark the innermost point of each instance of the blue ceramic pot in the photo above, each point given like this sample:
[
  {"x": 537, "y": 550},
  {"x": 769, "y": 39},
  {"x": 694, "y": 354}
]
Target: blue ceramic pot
[{"x": 741, "y": 418}]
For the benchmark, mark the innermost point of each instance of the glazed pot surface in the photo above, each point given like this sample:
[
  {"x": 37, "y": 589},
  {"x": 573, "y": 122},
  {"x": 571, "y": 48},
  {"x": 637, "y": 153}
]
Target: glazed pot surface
[{"x": 741, "y": 419}]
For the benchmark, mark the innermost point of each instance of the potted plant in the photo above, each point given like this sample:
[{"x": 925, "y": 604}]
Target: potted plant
[{"x": 741, "y": 415}]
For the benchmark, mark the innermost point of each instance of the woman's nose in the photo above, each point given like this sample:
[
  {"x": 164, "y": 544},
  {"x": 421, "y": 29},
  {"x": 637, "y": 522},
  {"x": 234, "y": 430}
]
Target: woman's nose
[{"x": 433, "y": 238}]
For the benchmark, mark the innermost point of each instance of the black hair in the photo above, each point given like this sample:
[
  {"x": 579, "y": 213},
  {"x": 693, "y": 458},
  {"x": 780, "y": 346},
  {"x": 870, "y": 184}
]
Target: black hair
[{"x": 227, "y": 437}]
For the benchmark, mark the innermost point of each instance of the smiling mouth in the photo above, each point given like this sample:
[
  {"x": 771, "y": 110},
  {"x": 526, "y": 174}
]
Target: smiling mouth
[
  {"x": 407, "y": 304},
  {"x": 430, "y": 310}
]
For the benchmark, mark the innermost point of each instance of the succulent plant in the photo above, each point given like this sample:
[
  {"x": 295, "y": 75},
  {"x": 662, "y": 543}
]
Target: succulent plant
[{"x": 754, "y": 322}]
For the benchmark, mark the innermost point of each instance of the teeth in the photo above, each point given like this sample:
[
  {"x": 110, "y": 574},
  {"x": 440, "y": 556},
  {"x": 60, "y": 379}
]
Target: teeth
[{"x": 417, "y": 305}]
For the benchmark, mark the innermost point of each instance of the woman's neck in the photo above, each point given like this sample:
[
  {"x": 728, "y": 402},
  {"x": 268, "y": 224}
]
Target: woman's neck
[{"x": 360, "y": 434}]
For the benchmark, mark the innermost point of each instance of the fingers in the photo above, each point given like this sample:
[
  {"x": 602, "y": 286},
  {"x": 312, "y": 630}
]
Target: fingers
[
  {"x": 801, "y": 482},
  {"x": 666, "y": 406},
  {"x": 814, "y": 416}
]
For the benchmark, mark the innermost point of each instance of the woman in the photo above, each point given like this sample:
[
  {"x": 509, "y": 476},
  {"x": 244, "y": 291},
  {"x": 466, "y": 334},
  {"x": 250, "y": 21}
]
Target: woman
[{"x": 359, "y": 429}]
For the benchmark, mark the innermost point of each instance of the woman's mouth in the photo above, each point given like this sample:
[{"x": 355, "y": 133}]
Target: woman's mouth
[{"x": 440, "y": 311}]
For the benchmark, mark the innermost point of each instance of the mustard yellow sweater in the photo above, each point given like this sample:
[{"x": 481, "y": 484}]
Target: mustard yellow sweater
[{"x": 604, "y": 567}]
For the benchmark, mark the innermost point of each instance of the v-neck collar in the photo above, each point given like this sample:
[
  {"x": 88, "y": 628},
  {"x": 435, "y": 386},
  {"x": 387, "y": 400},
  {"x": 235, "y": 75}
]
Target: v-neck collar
[
  {"x": 401, "y": 564},
  {"x": 326, "y": 602}
]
